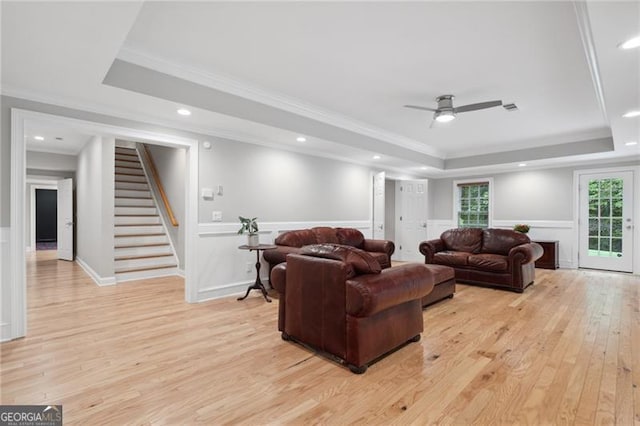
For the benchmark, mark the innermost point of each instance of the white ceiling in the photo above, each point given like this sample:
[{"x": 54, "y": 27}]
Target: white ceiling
[
  {"x": 351, "y": 65},
  {"x": 70, "y": 142}
]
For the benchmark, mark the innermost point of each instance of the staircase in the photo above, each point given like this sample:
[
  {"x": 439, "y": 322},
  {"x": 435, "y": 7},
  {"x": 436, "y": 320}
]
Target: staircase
[{"x": 142, "y": 247}]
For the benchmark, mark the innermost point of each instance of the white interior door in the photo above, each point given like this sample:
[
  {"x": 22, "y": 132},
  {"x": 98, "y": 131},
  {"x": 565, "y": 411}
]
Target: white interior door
[
  {"x": 606, "y": 221},
  {"x": 65, "y": 219},
  {"x": 378, "y": 206},
  {"x": 411, "y": 213}
]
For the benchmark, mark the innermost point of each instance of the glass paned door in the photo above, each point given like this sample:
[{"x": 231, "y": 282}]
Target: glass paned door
[{"x": 606, "y": 227}]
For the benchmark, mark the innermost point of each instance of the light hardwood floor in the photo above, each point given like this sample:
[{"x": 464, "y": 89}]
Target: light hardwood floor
[{"x": 567, "y": 351}]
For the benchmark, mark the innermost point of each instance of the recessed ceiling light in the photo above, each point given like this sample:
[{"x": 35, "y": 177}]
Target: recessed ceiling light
[
  {"x": 522, "y": 165},
  {"x": 38, "y": 138},
  {"x": 184, "y": 111},
  {"x": 376, "y": 157},
  {"x": 631, "y": 143},
  {"x": 301, "y": 139},
  {"x": 631, "y": 114},
  {"x": 423, "y": 168},
  {"x": 630, "y": 44}
]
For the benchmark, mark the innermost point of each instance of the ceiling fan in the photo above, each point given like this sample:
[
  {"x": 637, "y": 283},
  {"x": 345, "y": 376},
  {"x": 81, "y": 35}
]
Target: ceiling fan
[{"x": 446, "y": 112}]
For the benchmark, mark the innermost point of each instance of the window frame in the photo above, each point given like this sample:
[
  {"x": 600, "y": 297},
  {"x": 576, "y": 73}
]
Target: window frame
[{"x": 456, "y": 198}]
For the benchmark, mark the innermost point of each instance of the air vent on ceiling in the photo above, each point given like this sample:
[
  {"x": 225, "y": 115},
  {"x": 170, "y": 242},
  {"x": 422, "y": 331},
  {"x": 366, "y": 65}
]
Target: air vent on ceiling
[
  {"x": 510, "y": 107},
  {"x": 59, "y": 139}
]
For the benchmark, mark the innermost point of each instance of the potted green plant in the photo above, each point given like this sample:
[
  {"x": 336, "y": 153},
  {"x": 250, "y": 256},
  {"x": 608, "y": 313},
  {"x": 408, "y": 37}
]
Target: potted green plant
[
  {"x": 522, "y": 228},
  {"x": 250, "y": 226}
]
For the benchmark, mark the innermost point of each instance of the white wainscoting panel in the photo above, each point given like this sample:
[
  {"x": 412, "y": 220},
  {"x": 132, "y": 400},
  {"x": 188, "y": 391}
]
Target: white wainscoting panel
[
  {"x": 435, "y": 227},
  {"x": 224, "y": 270},
  {"x": 561, "y": 230},
  {"x": 5, "y": 309}
]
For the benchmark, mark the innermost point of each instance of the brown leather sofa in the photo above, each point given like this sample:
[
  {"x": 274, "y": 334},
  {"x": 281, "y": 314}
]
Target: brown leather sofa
[
  {"x": 337, "y": 300},
  {"x": 293, "y": 241},
  {"x": 494, "y": 257}
]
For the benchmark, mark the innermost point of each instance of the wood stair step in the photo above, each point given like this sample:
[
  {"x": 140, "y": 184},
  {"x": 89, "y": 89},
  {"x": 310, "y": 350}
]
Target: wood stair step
[
  {"x": 148, "y": 268},
  {"x": 142, "y": 245},
  {"x": 144, "y": 256},
  {"x": 138, "y": 224},
  {"x": 132, "y": 197},
  {"x": 140, "y": 235},
  {"x": 136, "y": 215}
]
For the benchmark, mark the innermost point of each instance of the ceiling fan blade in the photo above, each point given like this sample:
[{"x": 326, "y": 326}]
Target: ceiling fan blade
[
  {"x": 420, "y": 108},
  {"x": 475, "y": 107}
]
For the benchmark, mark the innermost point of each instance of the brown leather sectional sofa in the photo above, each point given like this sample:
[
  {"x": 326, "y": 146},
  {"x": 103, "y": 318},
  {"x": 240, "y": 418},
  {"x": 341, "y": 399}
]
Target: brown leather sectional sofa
[
  {"x": 339, "y": 301},
  {"x": 493, "y": 257},
  {"x": 293, "y": 241}
]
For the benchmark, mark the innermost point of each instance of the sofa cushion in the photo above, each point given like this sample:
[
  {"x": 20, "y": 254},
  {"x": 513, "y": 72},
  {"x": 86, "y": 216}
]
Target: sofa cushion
[
  {"x": 500, "y": 241},
  {"x": 451, "y": 258},
  {"x": 350, "y": 237},
  {"x": 324, "y": 234},
  {"x": 302, "y": 237},
  {"x": 361, "y": 261},
  {"x": 491, "y": 262},
  {"x": 463, "y": 239}
]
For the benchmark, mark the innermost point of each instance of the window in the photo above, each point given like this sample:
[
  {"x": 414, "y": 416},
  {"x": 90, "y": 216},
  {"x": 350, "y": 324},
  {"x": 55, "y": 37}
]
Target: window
[{"x": 472, "y": 206}]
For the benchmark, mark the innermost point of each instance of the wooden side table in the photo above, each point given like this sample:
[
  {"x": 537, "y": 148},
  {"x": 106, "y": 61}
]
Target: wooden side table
[
  {"x": 549, "y": 259},
  {"x": 258, "y": 284}
]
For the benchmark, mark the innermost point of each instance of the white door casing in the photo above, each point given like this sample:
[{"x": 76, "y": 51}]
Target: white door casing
[
  {"x": 411, "y": 223},
  {"x": 606, "y": 221},
  {"x": 378, "y": 206},
  {"x": 65, "y": 219}
]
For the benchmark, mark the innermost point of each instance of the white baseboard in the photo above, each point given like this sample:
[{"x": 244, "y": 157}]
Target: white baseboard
[
  {"x": 101, "y": 281},
  {"x": 29, "y": 249},
  {"x": 226, "y": 290},
  {"x": 5, "y": 332},
  {"x": 180, "y": 272}
]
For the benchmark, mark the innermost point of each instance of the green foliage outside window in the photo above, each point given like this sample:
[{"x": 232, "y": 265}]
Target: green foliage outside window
[{"x": 473, "y": 209}]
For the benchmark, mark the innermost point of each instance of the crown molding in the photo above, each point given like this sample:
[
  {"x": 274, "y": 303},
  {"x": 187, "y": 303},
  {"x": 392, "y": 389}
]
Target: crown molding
[
  {"x": 584, "y": 25},
  {"x": 273, "y": 99}
]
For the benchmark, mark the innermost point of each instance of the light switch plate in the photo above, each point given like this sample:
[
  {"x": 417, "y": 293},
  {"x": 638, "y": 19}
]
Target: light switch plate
[
  {"x": 216, "y": 216},
  {"x": 207, "y": 193}
]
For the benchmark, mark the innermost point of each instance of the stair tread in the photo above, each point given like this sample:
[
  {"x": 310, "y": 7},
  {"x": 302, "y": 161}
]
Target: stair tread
[
  {"x": 136, "y": 215},
  {"x": 143, "y": 256},
  {"x": 140, "y": 235},
  {"x": 138, "y": 224},
  {"x": 143, "y": 245},
  {"x": 133, "y": 197},
  {"x": 128, "y": 174},
  {"x": 149, "y": 268},
  {"x": 132, "y": 189}
]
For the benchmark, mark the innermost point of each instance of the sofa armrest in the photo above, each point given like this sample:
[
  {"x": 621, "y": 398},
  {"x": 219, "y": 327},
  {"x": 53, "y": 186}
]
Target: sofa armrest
[
  {"x": 278, "y": 277},
  {"x": 430, "y": 248},
  {"x": 529, "y": 252},
  {"x": 278, "y": 255},
  {"x": 382, "y": 246},
  {"x": 372, "y": 293}
]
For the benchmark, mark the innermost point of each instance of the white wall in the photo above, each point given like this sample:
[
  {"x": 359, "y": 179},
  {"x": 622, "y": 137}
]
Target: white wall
[
  {"x": 171, "y": 163},
  {"x": 50, "y": 161},
  {"x": 95, "y": 209},
  {"x": 277, "y": 185}
]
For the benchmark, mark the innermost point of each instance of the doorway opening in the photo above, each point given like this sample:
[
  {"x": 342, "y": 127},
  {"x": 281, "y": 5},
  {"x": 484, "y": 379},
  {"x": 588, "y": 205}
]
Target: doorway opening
[
  {"x": 21, "y": 120},
  {"x": 46, "y": 219}
]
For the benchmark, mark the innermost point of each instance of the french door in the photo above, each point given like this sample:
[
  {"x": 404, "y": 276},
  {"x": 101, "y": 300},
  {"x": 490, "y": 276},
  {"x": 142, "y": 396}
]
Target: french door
[{"x": 606, "y": 221}]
